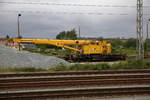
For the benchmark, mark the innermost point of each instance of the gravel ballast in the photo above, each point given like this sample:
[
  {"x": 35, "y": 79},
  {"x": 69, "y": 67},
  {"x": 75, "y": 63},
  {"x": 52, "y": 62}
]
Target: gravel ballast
[{"x": 13, "y": 58}]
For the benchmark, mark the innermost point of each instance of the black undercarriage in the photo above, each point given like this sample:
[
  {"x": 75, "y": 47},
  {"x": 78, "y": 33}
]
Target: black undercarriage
[{"x": 95, "y": 57}]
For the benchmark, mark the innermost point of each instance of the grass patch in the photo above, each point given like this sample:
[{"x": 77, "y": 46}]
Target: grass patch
[
  {"x": 103, "y": 66},
  {"x": 60, "y": 67},
  {"x": 80, "y": 67},
  {"x": 21, "y": 69},
  {"x": 132, "y": 64},
  {"x": 128, "y": 64}
]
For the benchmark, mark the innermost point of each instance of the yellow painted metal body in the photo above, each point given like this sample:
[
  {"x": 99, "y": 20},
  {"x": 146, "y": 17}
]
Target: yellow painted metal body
[{"x": 84, "y": 46}]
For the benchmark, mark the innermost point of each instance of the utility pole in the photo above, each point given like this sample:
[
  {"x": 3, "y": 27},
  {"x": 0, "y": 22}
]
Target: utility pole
[
  {"x": 19, "y": 26},
  {"x": 139, "y": 30},
  {"x": 19, "y": 36},
  {"x": 79, "y": 33}
]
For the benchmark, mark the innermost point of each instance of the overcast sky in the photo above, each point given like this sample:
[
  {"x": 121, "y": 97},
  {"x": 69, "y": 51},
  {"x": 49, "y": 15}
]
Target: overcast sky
[{"x": 46, "y": 18}]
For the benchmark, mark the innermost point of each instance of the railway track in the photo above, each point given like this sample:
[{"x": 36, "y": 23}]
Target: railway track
[
  {"x": 78, "y": 92},
  {"x": 2, "y": 75},
  {"x": 31, "y": 85},
  {"x": 63, "y": 84},
  {"x": 88, "y": 80}
]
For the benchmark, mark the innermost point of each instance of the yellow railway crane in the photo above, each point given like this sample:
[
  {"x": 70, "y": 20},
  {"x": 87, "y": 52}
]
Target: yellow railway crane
[{"x": 87, "y": 50}]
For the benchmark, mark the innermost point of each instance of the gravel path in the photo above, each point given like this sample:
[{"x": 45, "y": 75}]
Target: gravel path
[{"x": 13, "y": 58}]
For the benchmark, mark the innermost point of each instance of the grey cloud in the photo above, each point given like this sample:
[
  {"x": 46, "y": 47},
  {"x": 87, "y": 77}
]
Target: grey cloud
[{"x": 42, "y": 25}]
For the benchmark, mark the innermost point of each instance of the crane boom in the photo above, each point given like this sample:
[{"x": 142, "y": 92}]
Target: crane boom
[{"x": 86, "y": 46}]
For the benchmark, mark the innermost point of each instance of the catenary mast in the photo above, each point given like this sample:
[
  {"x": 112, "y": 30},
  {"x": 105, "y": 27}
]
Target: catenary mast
[{"x": 139, "y": 30}]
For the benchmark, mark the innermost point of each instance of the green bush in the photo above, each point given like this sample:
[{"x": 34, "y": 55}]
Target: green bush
[{"x": 130, "y": 43}]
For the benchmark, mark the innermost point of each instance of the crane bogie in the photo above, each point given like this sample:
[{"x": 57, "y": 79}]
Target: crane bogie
[{"x": 94, "y": 57}]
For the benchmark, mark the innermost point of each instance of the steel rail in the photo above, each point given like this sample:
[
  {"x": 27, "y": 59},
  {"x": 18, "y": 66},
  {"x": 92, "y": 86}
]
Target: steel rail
[
  {"x": 80, "y": 77},
  {"x": 30, "y": 95},
  {"x": 2, "y": 75},
  {"x": 99, "y": 82}
]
